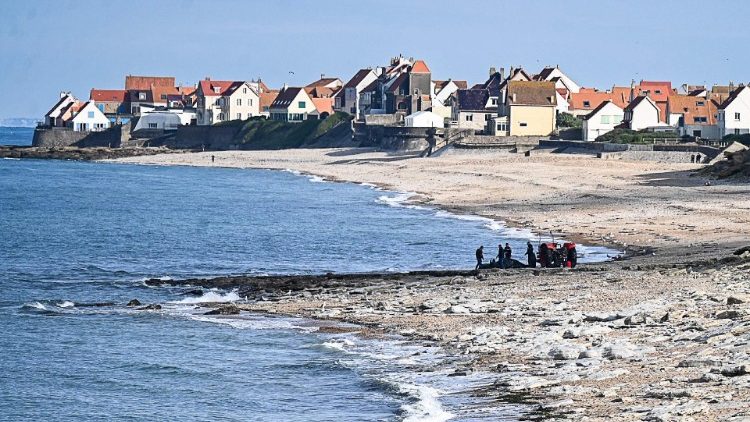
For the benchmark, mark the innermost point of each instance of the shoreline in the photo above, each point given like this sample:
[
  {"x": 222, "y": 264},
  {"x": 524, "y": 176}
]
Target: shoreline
[{"x": 577, "y": 357}]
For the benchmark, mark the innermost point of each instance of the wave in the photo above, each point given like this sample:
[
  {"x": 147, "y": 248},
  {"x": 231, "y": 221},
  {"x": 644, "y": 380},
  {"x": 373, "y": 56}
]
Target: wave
[
  {"x": 211, "y": 297},
  {"x": 316, "y": 179},
  {"x": 294, "y": 172},
  {"x": 427, "y": 406},
  {"x": 66, "y": 304}
]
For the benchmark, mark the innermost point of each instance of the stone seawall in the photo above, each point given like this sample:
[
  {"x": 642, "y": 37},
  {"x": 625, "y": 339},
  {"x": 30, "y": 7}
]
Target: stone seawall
[
  {"x": 393, "y": 138},
  {"x": 114, "y": 137}
]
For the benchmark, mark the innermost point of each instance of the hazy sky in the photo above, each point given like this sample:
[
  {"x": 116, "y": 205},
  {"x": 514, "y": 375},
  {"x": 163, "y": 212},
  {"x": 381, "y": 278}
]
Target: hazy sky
[{"x": 49, "y": 46}]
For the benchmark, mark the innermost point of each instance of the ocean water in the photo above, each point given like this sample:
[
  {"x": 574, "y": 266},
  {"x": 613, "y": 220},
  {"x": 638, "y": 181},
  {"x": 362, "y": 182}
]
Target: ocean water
[
  {"x": 77, "y": 240},
  {"x": 16, "y": 135}
]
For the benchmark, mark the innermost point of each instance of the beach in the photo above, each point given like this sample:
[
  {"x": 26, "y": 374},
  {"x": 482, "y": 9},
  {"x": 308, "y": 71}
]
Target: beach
[{"x": 660, "y": 334}]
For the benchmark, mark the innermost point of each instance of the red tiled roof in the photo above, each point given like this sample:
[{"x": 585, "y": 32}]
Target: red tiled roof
[
  {"x": 588, "y": 96},
  {"x": 108, "y": 95},
  {"x": 691, "y": 107},
  {"x": 208, "y": 87},
  {"x": 323, "y": 105},
  {"x": 597, "y": 109},
  {"x": 322, "y": 82},
  {"x": 267, "y": 98},
  {"x": 651, "y": 87},
  {"x": 420, "y": 67}
]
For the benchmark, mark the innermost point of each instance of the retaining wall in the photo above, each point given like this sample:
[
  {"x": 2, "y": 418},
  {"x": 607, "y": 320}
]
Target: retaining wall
[{"x": 113, "y": 137}]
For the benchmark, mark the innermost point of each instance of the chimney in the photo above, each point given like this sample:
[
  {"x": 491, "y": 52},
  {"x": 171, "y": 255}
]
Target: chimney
[
  {"x": 502, "y": 73},
  {"x": 492, "y": 71},
  {"x": 731, "y": 85},
  {"x": 322, "y": 75},
  {"x": 512, "y": 70},
  {"x": 208, "y": 78},
  {"x": 283, "y": 88},
  {"x": 513, "y": 97}
]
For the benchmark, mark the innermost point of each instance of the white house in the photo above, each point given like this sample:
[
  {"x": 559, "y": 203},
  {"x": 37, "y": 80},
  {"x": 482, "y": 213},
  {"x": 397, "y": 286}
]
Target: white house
[
  {"x": 424, "y": 119},
  {"x": 89, "y": 118},
  {"x": 219, "y": 101},
  {"x": 601, "y": 120},
  {"x": 293, "y": 105},
  {"x": 347, "y": 99},
  {"x": 550, "y": 73},
  {"x": 642, "y": 113},
  {"x": 734, "y": 114},
  {"x": 168, "y": 119},
  {"x": 54, "y": 116}
]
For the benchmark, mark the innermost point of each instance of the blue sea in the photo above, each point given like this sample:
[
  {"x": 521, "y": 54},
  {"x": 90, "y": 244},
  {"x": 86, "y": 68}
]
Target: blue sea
[
  {"x": 16, "y": 135},
  {"x": 78, "y": 239}
]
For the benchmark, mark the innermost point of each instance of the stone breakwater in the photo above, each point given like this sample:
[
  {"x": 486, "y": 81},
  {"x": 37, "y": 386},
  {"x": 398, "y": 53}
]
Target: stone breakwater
[
  {"x": 654, "y": 337},
  {"x": 74, "y": 153}
]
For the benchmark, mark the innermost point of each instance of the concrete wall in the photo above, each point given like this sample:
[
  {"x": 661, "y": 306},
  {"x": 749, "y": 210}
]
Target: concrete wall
[
  {"x": 539, "y": 121},
  {"x": 113, "y": 137}
]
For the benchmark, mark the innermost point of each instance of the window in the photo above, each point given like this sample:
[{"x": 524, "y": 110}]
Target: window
[
  {"x": 502, "y": 127},
  {"x": 217, "y": 89},
  {"x": 494, "y": 101},
  {"x": 487, "y": 117},
  {"x": 163, "y": 96},
  {"x": 239, "y": 101},
  {"x": 522, "y": 124},
  {"x": 657, "y": 92},
  {"x": 249, "y": 115},
  {"x": 736, "y": 131},
  {"x": 239, "y": 116},
  {"x": 736, "y": 116},
  {"x": 605, "y": 120},
  {"x": 101, "y": 107},
  {"x": 91, "y": 114},
  {"x": 700, "y": 119},
  {"x": 301, "y": 104},
  {"x": 265, "y": 108},
  {"x": 469, "y": 117},
  {"x": 700, "y": 103},
  {"x": 586, "y": 104},
  {"x": 153, "y": 126},
  {"x": 250, "y": 102},
  {"x": 141, "y": 95},
  {"x": 244, "y": 90},
  {"x": 221, "y": 116}
]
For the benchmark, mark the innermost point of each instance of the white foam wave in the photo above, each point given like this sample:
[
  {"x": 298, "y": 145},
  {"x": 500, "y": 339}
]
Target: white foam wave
[
  {"x": 316, "y": 179},
  {"x": 400, "y": 200},
  {"x": 340, "y": 344},
  {"x": 211, "y": 297},
  {"x": 295, "y": 172},
  {"x": 66, "y": 304},
  {"x": 37, "y": 305},
  {"x": 426, "y": 408}
]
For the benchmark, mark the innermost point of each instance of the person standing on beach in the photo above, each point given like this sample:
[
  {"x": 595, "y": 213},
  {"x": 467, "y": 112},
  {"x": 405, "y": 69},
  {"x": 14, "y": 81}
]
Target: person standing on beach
[
  {"x": 508, "y": 254},
  {"x": 531, "y": 255},
  {"x": 213, "y": 158},
  {"x": 480, "y": 256},
  {"x": 500, "y": 256}
]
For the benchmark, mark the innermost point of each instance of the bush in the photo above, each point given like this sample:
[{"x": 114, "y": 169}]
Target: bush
[
  {"x": 272, "y": 134},
  {"x": 568, "y": 120},
  {"x": 627, "y": 136}
]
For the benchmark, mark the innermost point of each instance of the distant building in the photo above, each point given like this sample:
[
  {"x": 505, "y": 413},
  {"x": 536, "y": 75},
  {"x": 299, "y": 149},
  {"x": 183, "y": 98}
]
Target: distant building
[
  {"x": 424, "y": 119},
  {"x": 734, "y": 113},
  {"x": 293, "y": 105},
  {"x": 147, "y": 82},
  {"x": 531, "y": 108},
  {"x": 220, "y": 101},
  {"x": 54, "y": 117},
  {"x": 472, "y": 109},
  {"x": 601, "y": 120},
  {"x": 266, "y": 99},
  {"x": 401, "y": 89},
  {"x": 553, "y": 74},
  {"x": 643, "y": 113},
  {"x": 347, "y": 99},
  {"x": 114, "y": 103},
  {"x": 89, "y": 118},
  {"x": 693, "y": 116},
  {"x": 325, "y": 87}
]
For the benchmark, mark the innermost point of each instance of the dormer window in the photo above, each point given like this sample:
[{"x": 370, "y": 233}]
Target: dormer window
[
  {"x": 699, "y": 103},
  {"x": 586, "y": 104},
  {"x": 217, "y": 89},
  {"x": 141, "y": 95},
  {"x": 657, "y": 92}
]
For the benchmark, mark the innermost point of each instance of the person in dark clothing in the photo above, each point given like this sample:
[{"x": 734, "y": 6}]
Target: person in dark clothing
[
  {"x": 508, "y": 256},
  {"x": 480, "y": 257},
  {"x": 531, "y": 255},
  {"x": 692, "y": 158},
  {"x": 500, "y": 256},
  {"x": 698, "y": 159}
]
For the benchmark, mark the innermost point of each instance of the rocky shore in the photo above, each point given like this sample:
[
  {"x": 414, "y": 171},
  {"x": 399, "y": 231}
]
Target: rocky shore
[
  {"x": 82, "y": 154},
  {"x": 661, "y": 336}
]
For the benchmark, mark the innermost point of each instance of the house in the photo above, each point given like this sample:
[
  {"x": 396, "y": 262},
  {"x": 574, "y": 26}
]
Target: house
[
  {"x": 586, "y": 100},
  {"x": 554, "y": 74},
  {"x": 693, "y": 116},
  {"x": 89, "y": 118},
  {"x": 658, "y": 91},
  {"x": 733, "y": 115},
  {"x": 643, "y": 113},
  {"x": 601, "y": 120},
  {"x": 347, "y": 99},
  {"x": 220, "y": 101},
  {"x": 324, "y": 106},
  {"x": 401, "y": 89},
  {"x": 293, "y": 105},
  {"x": 266, "y": 99},
  {"x": 112, "y": 102},
  {"x": 472, "y": 109},
  {"x": 442, "y": 92},
  {"x": 497, "y": 85},
  {"x": 54, "y": 117},
  {"x": 424, "y": 119},
  {"x": 531, "y": 108},
  {"x": 169, "y": 119},
  {"x": 326, "y": 82}
]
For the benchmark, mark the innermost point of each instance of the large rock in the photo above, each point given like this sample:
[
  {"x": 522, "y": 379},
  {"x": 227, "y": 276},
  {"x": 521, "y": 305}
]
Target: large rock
[
  {"x": 224, "y": 310},
  {"x": 134, "y": 302}
]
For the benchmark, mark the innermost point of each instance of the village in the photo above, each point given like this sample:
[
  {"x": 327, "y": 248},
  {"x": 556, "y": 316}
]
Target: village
[{"x": 513, "y": 104}]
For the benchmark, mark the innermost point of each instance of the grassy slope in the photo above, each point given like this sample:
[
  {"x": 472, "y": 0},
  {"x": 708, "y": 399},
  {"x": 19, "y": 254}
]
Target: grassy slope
[{"x": 269, "y": 134}]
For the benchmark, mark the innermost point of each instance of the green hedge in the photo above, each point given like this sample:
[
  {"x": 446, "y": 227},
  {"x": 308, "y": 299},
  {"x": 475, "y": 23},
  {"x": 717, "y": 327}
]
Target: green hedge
[
  {"x": 271, "y": 134},
  {"x": 743, "y": 139}
]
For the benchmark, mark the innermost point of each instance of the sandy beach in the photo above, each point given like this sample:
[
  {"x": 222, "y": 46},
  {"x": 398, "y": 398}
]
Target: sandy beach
[{"x": 663, "y": 334}]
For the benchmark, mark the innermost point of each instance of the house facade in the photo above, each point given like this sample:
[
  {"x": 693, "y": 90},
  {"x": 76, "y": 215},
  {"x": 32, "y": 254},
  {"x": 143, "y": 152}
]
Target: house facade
[
  {"x": 89, "y": 118},
  {"x": 293, "y": 105},
  {"x": 733, "y": 115},
  {"x": 54, "y": 117},
  {"x": 220, "y": 101},
  {"x": 347, "y": 99},
  {"x": 642, "y": 113},
  {"x": 601, "y": 120},
  {"x": 531, "y": 108},
  {"x": 112, "y": 102},
  {"x": 472, "y": 109},
  {"x": 693, "y": 116}
]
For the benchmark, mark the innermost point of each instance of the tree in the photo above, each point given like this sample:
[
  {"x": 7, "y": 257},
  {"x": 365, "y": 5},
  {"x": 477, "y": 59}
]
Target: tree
[{"x": 568, "y": 120}]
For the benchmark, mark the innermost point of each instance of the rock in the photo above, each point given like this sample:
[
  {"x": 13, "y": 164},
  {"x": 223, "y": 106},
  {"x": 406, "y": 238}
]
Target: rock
[
  {"x": 134, "y": 302},
  {"x": 601, "y": 317},
  {"x": 194, "y": 292},
  {"x": 458, "y": 309},
  {"x": 736, "y": 371},
  {"x": 565, "y": 352},
  {"x": 590, "y": 353},
  {"x": 698, "y": 363},
  {"x": 638, "y": 319},
  {"x": 150, "y": 307},
  {"x": 665, "y": 318},
  {"x": 224, "y": 310},
  {"x": 624, "y": 350},
  {"x": 729, "y": 314},
  {"x": 733, "y": 300},
  {"x": 568, "y": 334}
]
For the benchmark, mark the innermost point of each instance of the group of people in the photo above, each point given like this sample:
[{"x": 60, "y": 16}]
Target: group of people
[{"x": 505, "y": 256}]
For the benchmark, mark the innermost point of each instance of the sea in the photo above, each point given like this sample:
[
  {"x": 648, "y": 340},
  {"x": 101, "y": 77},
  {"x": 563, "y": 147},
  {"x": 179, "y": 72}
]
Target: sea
[{"x": 78, "y": 240}]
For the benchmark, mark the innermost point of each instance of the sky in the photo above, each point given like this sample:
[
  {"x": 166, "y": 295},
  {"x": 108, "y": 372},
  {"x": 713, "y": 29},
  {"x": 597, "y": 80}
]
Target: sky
[{"x": 75, "y": 45}]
